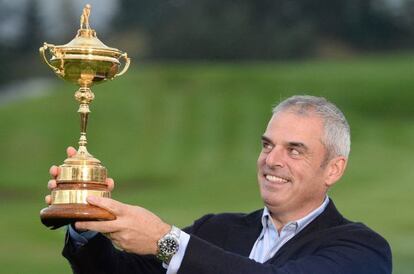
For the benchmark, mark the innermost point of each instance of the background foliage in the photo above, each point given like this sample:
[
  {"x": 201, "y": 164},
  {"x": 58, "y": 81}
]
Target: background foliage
[{"x": 182, "y": 140}]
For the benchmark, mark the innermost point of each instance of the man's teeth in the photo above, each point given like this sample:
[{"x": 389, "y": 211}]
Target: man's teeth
[{"x": 275, "y": 179}]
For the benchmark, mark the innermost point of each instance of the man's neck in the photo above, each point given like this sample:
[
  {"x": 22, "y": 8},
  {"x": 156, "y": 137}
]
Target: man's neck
[{"x": 282, "y": 217}]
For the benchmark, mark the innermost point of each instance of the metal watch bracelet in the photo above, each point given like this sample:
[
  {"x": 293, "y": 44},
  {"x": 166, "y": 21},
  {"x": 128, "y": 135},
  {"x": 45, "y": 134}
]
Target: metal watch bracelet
[{"x": 168, "y": 245}]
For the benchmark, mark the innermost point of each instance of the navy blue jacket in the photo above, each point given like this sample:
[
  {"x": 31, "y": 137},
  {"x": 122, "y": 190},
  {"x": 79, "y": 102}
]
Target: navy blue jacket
[{"x": 221, "y": 244}]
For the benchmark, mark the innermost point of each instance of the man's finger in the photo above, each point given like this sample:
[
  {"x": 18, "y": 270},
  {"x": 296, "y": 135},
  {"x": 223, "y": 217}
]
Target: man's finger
[
  {"x": 48, "y": 199},
  {"x": 98, "y": 226},
  {"x": 111, "y": 184},
  {"x": 107, "y": 203},
  {"x": 70, "y": 151},
  {"x": 54, "y": 171},
  {"x": 51, "y": 184}
]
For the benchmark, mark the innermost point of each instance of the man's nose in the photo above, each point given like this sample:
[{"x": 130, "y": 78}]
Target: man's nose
[{"x": 275, "y": 158}]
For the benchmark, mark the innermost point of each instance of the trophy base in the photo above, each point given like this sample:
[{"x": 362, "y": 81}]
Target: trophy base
[{"x": 58, "y": 215}]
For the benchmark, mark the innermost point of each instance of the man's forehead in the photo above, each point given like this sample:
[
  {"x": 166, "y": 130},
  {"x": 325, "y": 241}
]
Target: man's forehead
[
  {"x": 294, "y": 127},
  {"x": 291, "y": 116}
]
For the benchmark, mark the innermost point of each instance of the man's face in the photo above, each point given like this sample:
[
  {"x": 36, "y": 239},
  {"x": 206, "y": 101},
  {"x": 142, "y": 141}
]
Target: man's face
[{"x": 291, "y": 171}]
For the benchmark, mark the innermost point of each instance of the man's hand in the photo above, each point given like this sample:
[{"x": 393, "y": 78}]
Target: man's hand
[
  {"x": 54, "y": 172},
  {"x": 135, "y": 229}
]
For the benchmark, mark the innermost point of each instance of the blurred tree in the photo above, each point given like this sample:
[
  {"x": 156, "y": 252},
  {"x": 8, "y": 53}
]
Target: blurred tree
[
  {"x": 32, "y": 28},
  {"x": 27, "y": 63},
  {"x": 6, "y": 50},
  {"x": 362, "y": 24},
  {"x": 407, "y": 20},
  {"x": 213, "y": 29},
  {"x": 217, "y": 29},
  {"x": 21, "y": 55},
  {"x": 232, "y": 29}
]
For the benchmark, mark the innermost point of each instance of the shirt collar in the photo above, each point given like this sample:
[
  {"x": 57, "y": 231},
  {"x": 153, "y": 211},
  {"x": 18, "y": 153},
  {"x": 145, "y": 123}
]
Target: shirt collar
[
  {"x": 312, "y": 216},
  {"x": 301, "y": 223}
]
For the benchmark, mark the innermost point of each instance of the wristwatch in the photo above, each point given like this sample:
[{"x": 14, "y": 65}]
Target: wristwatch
[{"x": 168, "y": 245}]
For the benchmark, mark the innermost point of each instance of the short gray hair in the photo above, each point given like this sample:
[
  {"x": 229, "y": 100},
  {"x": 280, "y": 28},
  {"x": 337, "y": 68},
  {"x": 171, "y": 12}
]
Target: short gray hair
[{"x": 337, "y": 139}]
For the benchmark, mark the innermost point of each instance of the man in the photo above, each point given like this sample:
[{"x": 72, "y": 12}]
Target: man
[{"x": 304, "y": 152}]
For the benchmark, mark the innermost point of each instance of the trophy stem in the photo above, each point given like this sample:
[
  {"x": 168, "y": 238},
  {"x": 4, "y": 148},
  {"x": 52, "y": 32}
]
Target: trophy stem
[
  {"x": 84, "y": 96},
  {"x": 84, "y": 113}
]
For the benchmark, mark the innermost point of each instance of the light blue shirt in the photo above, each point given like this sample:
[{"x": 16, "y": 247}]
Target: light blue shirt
[
  {"x": 271, "y": 240},
  {"x": 265, "y": 247}
]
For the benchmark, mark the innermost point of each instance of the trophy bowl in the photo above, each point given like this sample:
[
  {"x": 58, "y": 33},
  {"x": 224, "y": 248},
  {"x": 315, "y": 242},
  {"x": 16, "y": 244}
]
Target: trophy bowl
[{"x": 84, "y": 61}]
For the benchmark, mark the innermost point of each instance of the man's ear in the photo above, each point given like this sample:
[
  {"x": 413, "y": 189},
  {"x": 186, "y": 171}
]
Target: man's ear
[{"x": 334, "y": 170}]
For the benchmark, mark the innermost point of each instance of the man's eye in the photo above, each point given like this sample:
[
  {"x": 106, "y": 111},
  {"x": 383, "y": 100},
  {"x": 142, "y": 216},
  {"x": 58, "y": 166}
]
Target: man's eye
[
  {"x": 294, "y": 152},
  {"x": 267, "y": 147}
]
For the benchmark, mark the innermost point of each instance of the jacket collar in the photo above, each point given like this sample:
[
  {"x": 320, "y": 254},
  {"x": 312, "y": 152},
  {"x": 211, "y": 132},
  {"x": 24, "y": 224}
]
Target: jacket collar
[
  {"x": 244, "y": 234},
  {"x": 330, "y": 217}
]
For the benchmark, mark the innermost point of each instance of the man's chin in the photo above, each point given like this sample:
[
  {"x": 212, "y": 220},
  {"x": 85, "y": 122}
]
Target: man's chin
[{"x": 275, "y": 197}]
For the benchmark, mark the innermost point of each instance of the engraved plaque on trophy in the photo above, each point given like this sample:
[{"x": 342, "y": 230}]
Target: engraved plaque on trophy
[{"x": 84, "y": 61}]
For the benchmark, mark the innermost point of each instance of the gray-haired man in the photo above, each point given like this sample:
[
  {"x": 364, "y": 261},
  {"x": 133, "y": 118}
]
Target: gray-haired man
[{"x": 304, "y": 152}]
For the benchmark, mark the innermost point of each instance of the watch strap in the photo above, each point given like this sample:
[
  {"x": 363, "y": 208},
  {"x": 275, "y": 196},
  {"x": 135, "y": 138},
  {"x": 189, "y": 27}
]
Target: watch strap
[{"x": 168, "y": 245}]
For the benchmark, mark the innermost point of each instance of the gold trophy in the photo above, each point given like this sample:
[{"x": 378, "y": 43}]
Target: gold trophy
[{"x": 84, "y": 61}]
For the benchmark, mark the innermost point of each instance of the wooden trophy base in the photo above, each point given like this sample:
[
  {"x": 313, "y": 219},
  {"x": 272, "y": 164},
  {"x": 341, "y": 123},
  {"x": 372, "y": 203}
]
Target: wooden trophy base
[
  {"x": 69, "y": 204},
  {"x": 59, "y": 215},
  {"x": 80, "y": 176}
]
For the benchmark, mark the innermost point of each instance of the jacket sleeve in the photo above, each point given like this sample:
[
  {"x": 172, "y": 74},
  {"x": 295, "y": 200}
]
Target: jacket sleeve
[
  {"x": 99, "y": 256},
  {"x": 340, "y": 256}
]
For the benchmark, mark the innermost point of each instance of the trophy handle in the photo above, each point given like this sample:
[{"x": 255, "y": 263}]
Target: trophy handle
[
  {"x": 43, "y": 54},
  {"x": 126, "y": 66}
]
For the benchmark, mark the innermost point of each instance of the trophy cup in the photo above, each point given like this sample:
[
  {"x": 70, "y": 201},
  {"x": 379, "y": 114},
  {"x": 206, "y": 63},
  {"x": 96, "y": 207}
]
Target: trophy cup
[{"x": 84, "y": 61}]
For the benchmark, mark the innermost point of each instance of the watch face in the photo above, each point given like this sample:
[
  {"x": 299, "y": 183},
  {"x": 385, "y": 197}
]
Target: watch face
[{"x": 169, "y": 245}]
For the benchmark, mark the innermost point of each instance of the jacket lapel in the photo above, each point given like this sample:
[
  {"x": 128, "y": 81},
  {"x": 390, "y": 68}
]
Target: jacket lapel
[
  {"x": 329, "y": 217},
  {"x": 242, "y": 236}
]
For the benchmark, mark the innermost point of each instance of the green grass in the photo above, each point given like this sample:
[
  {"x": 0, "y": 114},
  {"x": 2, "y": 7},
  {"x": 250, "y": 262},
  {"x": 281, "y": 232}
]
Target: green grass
[{"x": 182, "y": 140}]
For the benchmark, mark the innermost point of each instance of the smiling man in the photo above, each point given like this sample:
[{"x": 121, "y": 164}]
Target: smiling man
[{"x": 304, "y": 152}]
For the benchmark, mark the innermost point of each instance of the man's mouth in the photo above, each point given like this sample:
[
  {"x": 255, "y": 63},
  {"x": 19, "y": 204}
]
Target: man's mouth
[{"x": 276, "y": 179}]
